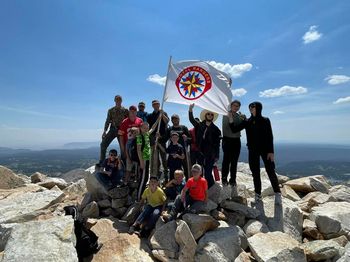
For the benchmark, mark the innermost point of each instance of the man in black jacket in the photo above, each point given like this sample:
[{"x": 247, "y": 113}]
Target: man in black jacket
[
  {"x": 260, "y": 144},
  {"x": 208, "y": 137}
]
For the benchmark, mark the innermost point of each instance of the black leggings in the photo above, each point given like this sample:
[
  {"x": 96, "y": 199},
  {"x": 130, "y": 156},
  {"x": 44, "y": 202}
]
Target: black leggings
[
  {"x": 232, "y": 149},
  {"x": 254, "y": 164}
]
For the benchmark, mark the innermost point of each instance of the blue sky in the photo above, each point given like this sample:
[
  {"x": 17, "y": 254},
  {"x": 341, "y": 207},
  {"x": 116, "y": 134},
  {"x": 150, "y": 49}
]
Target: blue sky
[{"x": 62, "y": 62}]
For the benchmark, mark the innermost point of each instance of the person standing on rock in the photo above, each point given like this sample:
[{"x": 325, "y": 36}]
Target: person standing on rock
[
  {"x": 208, "y": 137},
  {"x": 155, "y": 152},
  {"x": 184, "y": 139},
  {"x": 260, "y": 144},
  {"x": 231, "y": 143},
  {"x": 115, "y": 117},
  {"x": 141, "y": 113}
]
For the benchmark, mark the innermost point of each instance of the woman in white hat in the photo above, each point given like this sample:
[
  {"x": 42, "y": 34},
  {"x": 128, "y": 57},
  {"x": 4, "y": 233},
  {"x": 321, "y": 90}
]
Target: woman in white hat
[{"x": 208, "y": 137}]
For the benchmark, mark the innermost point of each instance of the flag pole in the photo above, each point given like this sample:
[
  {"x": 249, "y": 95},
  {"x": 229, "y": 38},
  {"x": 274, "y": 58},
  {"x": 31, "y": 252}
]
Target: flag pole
[{"x": 155, "y": 159}]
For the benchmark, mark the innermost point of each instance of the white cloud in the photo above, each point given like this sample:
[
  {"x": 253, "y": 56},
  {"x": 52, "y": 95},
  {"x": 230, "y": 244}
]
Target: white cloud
[
  {"x": 342, "y": 100},
  {"x": 337, "y": 79},
  {"x": 239, "y": 92},
  {"x": 234, "y": 71},
  {"x": 283, "y": 91},
  {"x": 160, "y": 80},
  {"x": 278, "y": 112},
  {"x": 311, "y": 35}
]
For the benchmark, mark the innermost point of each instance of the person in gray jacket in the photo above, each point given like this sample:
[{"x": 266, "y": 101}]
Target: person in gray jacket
[{"x": 231, "y": 143}]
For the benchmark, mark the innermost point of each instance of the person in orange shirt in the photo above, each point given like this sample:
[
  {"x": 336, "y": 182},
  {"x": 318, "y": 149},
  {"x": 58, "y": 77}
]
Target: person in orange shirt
[{"x": 194, "y": 195}]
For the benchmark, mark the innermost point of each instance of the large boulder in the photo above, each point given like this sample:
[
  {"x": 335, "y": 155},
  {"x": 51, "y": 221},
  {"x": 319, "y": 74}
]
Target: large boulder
[
  {"x": 186, "y": 241},
  {"x": 289, "y": 192},
  {"x": 310, "y": 230},
  {"x": 276, "y": 246},
  {"x": 164, "y": 239},
  {"x": 53, "y": 181},
  {"x": 91, "y": 210},
  {"x": 118, "y": 192},
  {"x": 28, "y": 205},
  {"x": 346, "y": 256},
  {"x": 309, "y": 184},
  {"x": 75, "y": 175},
  {"x": 118, "y": 245},
  {"x": 77, "y": 189},
  {"x": 286, "y": 217},
  {"x": 243, "y": 209},
  {"x": 47, "y": 240},
  {"x": 37, "y": 177},
  {"x": 94, "y": 187},
  {"x": 221, "y": 244},
  {"x": 332, "y": 218},
  {"x": 322, "y": 249},
  {"x": 9, "y": 179},
  {"x": 254, "y": 226},
  {"x": 340, "y": 193},
  {"x": 131, "y": 213},
  {"x": 314, "y": 199},
  {"x": 200, "y": 224}
]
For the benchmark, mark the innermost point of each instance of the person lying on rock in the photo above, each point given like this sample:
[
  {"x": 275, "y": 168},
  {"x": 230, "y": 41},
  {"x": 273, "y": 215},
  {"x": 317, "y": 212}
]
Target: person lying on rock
[
  {"x": 196, "y": 199},
  {"x": 156, "y": 199},
  {"x": 112, "y": 172},
  {"x": 176, "y": 185}
]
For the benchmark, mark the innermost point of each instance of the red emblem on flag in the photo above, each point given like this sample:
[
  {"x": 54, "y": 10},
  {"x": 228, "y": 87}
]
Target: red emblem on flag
[{"x": 193, "y": 82}]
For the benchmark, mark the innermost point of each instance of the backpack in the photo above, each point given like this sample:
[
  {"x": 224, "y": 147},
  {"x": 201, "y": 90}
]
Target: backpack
[
  {"x": 87, "y": 241},
  {"x": 133, "y": 149}
]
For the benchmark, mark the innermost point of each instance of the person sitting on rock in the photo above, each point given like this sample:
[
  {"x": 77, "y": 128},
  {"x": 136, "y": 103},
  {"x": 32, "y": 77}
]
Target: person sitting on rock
[
  {"x": 156, "y": 199},
  {"x": 175, "y": 186},
  {"x": 196, "y": 199},
  {"x": 112, "y": 172}
]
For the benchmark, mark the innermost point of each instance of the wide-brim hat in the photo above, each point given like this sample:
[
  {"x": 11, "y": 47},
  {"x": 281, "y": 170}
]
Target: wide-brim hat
[{"x": 205, "y": 111}]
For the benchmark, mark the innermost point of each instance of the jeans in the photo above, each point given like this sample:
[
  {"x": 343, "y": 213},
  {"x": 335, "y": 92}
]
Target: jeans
[
  {"x": 109, "y": 182},
  {"x": 195, "y": 206},
  {"x": 254, "y": 164},
  {"x": 232, "y": 149},
  {"x": 149, "y": 215}
]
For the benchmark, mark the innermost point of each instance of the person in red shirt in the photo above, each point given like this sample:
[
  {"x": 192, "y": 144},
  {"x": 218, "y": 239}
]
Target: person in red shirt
[
  {"x": 126, "y": 138},
  {"x": 194, "y": 195}
]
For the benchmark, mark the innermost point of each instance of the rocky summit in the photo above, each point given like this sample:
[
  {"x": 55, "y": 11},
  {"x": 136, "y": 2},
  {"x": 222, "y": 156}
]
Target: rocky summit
[{"x": 310, "y": 223}]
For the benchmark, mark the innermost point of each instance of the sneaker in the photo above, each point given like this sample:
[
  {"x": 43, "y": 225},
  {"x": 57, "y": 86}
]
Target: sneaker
[{"x": 278, "y": 198}]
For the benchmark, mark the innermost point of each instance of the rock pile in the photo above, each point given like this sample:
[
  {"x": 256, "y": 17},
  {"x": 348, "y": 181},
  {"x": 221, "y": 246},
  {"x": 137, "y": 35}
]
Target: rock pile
[{"x": 311, "y": 224}]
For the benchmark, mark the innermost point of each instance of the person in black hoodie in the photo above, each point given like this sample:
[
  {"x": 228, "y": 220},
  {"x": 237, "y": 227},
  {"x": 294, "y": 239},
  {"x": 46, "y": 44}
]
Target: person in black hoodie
[
  {"x": 260, "y": 144},
  {"x": 208, "y": 137}
]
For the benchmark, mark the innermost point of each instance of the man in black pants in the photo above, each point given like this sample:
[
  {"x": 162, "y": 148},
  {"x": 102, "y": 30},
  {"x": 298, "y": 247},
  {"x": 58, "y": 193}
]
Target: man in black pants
[
  {"x": 260, "y": 144},
  {"x": 231, "y": 143}
]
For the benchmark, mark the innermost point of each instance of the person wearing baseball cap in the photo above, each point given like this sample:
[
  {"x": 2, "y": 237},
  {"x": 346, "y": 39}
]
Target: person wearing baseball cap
[
  {"x": 141, "y": 113},
  {"x": 115, "y": 116},
  {"x": 162, "y": 139}
]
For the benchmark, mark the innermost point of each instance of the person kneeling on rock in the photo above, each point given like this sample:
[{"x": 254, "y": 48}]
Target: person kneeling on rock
[
  {"x": 156, "y": 201},
  {"x": 196, "y": 199},
  {"x": 112, "y": 172}
]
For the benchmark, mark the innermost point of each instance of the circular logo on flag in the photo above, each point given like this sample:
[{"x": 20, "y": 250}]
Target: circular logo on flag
[{"x": 193, "y": 82}]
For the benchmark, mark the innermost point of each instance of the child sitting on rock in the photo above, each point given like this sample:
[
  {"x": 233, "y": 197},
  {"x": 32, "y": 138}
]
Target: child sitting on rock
[
  {"x": 175, "y": 186},
  {"x": 112, "y": 172},
  {"x": 155, "y": 198},
  {"x": 196, "y": 199}
]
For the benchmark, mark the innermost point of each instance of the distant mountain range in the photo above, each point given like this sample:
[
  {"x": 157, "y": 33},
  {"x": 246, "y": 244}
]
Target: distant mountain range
[{"x": 293, "y": 160}]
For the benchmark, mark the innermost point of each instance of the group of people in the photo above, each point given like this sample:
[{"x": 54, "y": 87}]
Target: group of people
[{"x": 181, "y": 158}]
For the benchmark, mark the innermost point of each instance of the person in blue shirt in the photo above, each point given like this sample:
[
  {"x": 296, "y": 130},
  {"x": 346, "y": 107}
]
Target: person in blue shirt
[{"x": 141, "y": 113}]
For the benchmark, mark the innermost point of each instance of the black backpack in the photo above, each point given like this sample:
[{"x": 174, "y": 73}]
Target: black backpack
[{"x": 87, "y": 241}]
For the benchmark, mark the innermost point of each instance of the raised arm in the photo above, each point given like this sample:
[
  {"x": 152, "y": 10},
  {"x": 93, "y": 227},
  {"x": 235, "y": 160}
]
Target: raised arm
[{"x": 193, "y": 121}]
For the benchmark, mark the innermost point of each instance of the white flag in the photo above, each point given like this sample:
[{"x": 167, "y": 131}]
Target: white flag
[{"x": 198, "y": 82}]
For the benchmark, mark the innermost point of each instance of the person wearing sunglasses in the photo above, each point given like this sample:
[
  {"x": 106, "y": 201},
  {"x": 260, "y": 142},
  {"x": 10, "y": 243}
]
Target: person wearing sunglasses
[
  {"x": 260, "y": 144},
  {"x": 208, "y": 137}
]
